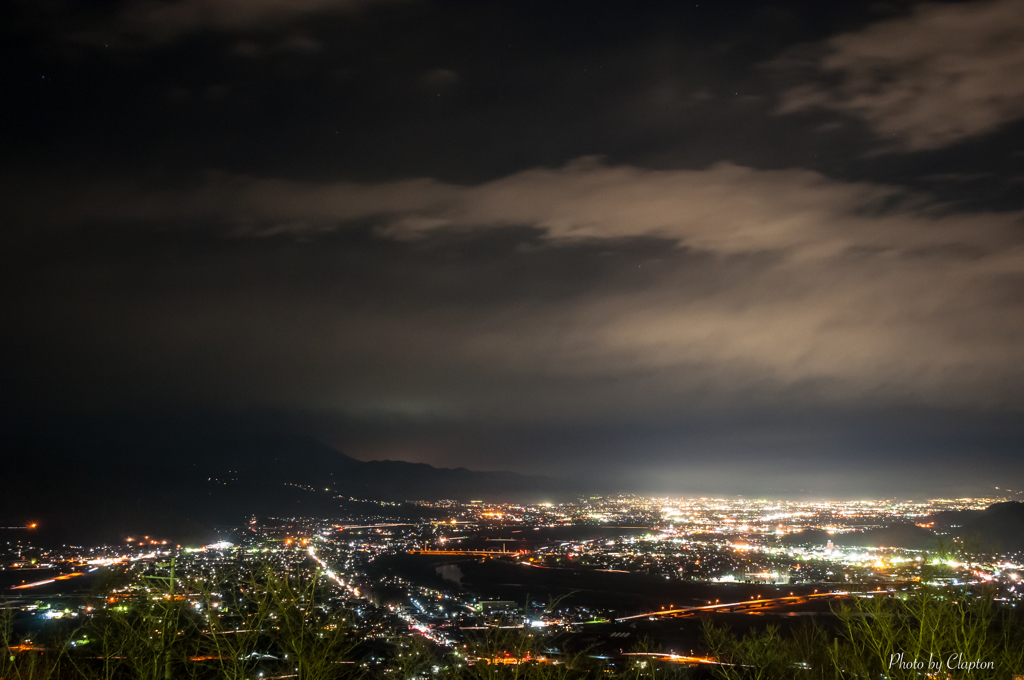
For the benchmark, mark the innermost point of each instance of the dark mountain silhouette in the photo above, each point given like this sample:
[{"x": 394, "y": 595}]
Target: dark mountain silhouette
[
  {"x": 304, "y": 460},
  {"x": 102, "y": 490},
  {"x": 998, "y": 528}
]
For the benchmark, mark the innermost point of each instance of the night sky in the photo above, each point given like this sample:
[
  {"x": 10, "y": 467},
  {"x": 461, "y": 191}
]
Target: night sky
[{"x": 765, "y": 248}]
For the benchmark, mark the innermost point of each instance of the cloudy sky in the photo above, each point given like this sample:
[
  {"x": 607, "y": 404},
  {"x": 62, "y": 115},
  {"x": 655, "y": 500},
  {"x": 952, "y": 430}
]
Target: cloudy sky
[{"x": 728, "y": 247}]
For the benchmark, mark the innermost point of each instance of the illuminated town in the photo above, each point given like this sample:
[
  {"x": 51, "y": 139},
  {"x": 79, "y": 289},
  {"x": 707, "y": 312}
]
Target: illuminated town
[{"x": 598, "y": 574}]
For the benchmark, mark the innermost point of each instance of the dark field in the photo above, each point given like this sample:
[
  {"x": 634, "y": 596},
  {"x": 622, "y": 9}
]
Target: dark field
[{"x": 491, "y": 578}]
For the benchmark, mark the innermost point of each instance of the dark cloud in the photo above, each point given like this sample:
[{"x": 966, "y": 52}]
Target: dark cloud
[
  {"x": 439, "y": 78},
  {"x": 164, "y": 21},
  {"x": 805, "y": 284}
]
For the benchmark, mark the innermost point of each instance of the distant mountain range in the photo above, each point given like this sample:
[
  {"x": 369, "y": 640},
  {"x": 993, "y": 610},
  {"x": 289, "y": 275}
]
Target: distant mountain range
[
  {"x": 104, "y": 491},
  {"x": 302, "y": 459},
  {"x": 84, "y": 488}
]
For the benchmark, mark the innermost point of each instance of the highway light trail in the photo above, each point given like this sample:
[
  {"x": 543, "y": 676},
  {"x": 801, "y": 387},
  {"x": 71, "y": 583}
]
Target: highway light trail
[
  {"x": 64, "y": 577},
  {"x": 743, "y": 605}
]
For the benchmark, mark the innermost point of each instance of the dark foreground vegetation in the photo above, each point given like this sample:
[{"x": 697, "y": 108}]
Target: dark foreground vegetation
[{"x": 276, "y": 627}]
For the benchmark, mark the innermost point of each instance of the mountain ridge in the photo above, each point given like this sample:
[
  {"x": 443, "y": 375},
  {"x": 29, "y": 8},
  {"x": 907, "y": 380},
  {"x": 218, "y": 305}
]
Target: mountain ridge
[{"x": 181, "y": 488}]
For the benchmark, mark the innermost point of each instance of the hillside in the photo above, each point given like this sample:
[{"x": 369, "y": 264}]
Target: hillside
[
  {"x": 999, "y": 527},
  {"x": 190, "y": 489}
]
